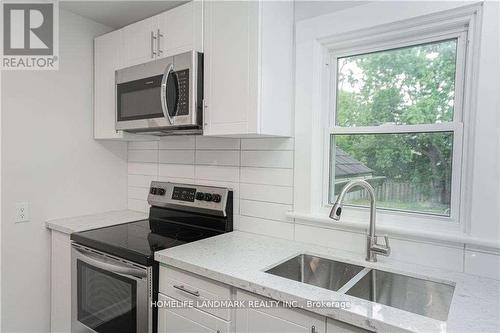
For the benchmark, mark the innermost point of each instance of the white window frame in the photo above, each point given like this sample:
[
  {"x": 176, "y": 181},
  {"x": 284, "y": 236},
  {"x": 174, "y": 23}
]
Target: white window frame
[{"x": 368, "y": 44}]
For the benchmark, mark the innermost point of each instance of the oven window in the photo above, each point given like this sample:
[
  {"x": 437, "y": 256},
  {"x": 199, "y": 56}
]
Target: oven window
[
  {"x": 139, "y": 99},
  {"x": 106, "y": 301}
]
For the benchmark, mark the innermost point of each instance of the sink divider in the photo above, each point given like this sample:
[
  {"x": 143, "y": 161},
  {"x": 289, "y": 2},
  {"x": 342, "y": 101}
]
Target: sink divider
[{"x": 354, "y": 280}]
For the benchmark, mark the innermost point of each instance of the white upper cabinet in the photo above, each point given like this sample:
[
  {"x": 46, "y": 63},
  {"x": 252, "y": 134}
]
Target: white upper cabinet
[
  {"x": 248, "y": 49},
  {"x": 181, "y": 29},
  {"x": 138, "y": 42},
  {"x": 172, "y": 32},
  {"x": 106, "y": 60}
]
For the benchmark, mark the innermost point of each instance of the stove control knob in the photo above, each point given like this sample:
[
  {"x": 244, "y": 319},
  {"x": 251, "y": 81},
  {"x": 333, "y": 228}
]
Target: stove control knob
[
  {"x": 200, "y": 195},
  {"x": 208, "y": 197},
  {"x": 160, "y": 191},
  {"x": 153, "y": 190},
  {"x": 216, "y": 198}
]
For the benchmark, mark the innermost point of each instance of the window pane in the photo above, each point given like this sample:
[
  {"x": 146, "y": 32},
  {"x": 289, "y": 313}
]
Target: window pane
[
  {"x": 410, "y": 172},
  {"x": 411, "y": 85}
]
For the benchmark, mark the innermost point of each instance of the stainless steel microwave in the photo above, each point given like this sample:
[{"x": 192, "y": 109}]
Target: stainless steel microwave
[{"x": 161, "y": 97}]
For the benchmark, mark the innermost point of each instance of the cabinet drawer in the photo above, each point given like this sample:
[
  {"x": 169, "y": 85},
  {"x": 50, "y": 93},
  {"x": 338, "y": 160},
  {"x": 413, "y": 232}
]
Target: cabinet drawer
[
  {"x": 188, "y": 320},
  {"x": 183, "y": 286}
]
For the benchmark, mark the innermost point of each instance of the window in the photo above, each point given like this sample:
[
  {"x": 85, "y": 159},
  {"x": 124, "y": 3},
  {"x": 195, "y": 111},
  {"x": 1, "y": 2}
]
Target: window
[{"x": 397, "y": 123}]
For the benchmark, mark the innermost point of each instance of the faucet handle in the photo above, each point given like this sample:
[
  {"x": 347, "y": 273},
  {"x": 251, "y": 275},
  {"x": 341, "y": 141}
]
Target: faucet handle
[{"x": 387, "y": 246}]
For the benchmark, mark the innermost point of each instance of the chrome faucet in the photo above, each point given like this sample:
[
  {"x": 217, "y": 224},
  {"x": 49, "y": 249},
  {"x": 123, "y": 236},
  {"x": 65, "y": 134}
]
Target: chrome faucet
[{"x": 372, "y": 247}]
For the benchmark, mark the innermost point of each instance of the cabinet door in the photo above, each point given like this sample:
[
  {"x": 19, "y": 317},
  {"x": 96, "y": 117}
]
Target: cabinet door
[
  {"x": 170, "y": 322},
  {"x": 335, "y": 326},
  {"x": 60, "y": 283},
  {"x": 276, "y": 320},
  {"x": 138, "y": 43},
  {"x": 181, "y": 29},
  {"x": 106, "y": 61},
  {"x": 188, "y": 320},
  {"x": 231, "y": 67}
]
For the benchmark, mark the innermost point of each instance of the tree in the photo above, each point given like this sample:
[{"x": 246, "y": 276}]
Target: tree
[{"x": 412, "y": 85}]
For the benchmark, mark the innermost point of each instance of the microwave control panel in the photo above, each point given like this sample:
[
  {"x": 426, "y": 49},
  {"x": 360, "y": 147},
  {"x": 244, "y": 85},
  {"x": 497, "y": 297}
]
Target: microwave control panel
[{"x": 183, "y": 92}]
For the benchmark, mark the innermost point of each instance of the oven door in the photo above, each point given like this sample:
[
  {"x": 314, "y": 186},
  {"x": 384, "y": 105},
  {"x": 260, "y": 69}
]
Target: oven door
[{"x": 108, "y": 295}]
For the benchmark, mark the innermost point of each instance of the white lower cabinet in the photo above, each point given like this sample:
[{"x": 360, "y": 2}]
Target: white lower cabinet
[
  {"x": 335, "y": 326},
  {"x": 275, "y": 320},
  {"x": 188, "y": 320},
  {"x": 181, "y": 286},
  {"x": 60, "y": 282}
]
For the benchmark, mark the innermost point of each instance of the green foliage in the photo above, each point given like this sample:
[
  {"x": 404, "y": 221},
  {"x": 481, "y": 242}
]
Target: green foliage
[{"x": 412, "y": 85}]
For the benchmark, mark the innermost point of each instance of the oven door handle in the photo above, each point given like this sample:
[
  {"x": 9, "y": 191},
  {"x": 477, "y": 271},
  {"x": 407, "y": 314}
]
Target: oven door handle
[
  {"x": 163, "y": 92},
  {"x": 111, "y": 267}
]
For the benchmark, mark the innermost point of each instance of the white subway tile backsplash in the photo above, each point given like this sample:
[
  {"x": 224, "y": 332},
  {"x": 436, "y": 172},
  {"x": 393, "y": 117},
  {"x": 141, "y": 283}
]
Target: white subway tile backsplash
[
  {"x": 269, "y": 193},
  {"x": 177, "y": 142},
  {"x": 223, "y": 173},
  {"x": 268, "y": 159},
  {"x": 427, "y": 254},
  {"x": 176, "y": 156},
  {"x": 147, "y": 156},
  {"x": 138, "y": 205},
  {"x": 218, "y": 157},
  {"x": 260, "y": 173},
  {"x": 136, "y": 168},
  {"x": 143, "y": 145},
  {"x": 337, "y": 239},
  {"x": 235, "y": 187},
  {"x": 138, "y": 193},
  {"x": 482, "y": 263},
  {"x": 267, "y": 144},
  {"x": 269, "y": 176},
  {"x": 204, "y": 143},
  {"x": 265, "y": 210},
  {"x": 176, "y": 180},
  {"x": 266, "y": 227},
  {"x": 176, "y": 170},
  {"x": 140, "y": 180}
]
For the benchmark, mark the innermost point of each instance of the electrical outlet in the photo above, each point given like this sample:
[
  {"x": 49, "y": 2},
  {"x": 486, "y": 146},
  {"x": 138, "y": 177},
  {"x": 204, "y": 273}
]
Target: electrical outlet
[{"x": 22, "y": 212}]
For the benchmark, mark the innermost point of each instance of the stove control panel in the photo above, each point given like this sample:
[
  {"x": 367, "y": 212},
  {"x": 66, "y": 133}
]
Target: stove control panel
[{"x": 195, "y": 198}]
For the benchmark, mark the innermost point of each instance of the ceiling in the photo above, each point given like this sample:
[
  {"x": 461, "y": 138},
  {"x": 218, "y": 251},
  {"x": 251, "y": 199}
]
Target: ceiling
[
  {"x": 308, "y": 9},
  {"x": 117, "y": 14}
]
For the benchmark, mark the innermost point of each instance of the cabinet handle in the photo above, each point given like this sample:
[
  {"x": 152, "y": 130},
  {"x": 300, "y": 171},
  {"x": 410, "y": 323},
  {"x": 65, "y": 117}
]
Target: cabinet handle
[
  {"x": 153, "y": 53},
  {"x": 159, "y": 35},
  {"x": 184, "y": 289},
  {"x": 313, "y": 329}
]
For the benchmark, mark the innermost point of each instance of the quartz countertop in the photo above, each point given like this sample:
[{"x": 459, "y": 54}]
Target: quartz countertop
[
  {"x": 94, "y": 221},
  {"x": 239, "y": 259}
]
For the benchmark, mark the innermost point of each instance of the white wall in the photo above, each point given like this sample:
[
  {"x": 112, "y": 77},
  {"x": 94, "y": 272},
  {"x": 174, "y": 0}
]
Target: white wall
[
  {"x": 260, "y": 171},
  {"x": 50, "y": 160}
]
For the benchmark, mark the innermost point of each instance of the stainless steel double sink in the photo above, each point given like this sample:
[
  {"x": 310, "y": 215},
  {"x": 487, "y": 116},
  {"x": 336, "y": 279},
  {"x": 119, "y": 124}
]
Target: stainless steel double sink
[{"x": 424, "y": 297}]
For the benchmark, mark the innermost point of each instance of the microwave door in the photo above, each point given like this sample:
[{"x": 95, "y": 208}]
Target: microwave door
[{"x": 170, "y": 93}]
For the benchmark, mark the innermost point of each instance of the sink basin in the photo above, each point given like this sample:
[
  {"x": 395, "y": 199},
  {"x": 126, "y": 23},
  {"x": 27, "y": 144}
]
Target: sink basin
[
  {"x": 320, "y": 272},
  {"x": 423, "y": 297}
]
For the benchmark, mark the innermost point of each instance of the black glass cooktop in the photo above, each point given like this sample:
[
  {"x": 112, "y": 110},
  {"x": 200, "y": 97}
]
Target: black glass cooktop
[{"x": 137, "y": 241}]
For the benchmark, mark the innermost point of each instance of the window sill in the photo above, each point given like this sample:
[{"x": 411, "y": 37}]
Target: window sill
[{"x": 324, "y": 221}]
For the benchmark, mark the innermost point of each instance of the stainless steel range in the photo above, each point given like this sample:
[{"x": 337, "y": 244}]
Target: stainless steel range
[{"x": 114, "y": 275}]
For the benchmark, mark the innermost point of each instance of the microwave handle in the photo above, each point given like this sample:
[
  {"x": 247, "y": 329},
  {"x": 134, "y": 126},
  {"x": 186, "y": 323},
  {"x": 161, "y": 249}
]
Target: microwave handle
[
  {"x": 110, "y": 267},
  {"x": 163, "y": 92}
]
